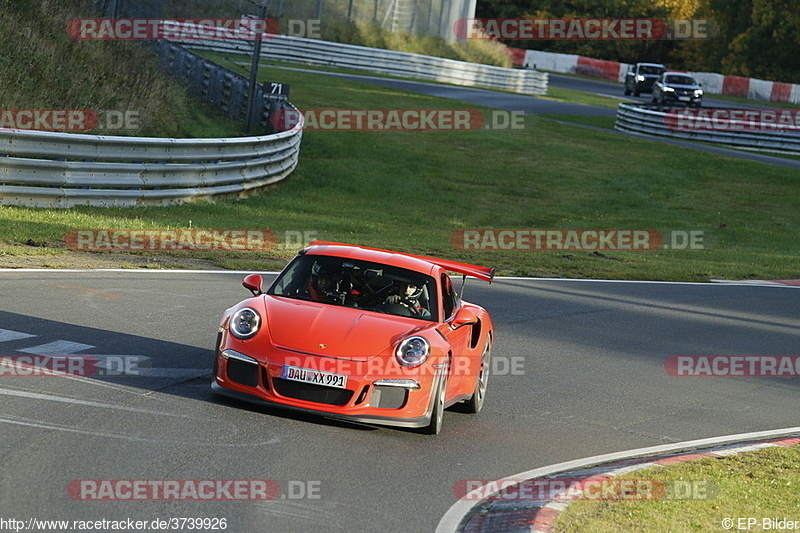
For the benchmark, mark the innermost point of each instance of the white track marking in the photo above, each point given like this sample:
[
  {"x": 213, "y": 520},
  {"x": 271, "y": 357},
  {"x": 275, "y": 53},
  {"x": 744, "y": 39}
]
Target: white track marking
[
  {"x": 114, "y": 435},
  {"x": 88, "y": 403},
  {"x": 8, "y": 335},
  {"x": 57, "y": 348}
]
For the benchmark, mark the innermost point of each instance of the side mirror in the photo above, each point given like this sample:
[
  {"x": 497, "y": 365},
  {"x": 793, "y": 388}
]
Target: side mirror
[
  {"x": 464, "y": 317},
  {"x": 253, "y": 283}
]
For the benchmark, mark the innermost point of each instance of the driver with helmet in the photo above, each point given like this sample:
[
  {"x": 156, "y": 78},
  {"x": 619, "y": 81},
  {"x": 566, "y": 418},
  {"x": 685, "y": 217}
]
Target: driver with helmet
[
  {"x": 408, "y": 295},
  {"x": 325, "y": 285}
]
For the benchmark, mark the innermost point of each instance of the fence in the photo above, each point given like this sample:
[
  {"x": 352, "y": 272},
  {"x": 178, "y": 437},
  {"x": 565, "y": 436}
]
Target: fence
[
  {"x": 387, "y": 62},
  {"x": 713, "y": 83},
  {"x": 738, "y": 133},
  {"x": 424, "y": 17},
  {"x": 219, "y": 87}
]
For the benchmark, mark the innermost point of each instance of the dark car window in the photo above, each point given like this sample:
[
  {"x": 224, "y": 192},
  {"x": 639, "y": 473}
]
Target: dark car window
[
  {"x": 450, "y": 300},
  {"x": 360, "y": 284},
  {"x": 647, "y": 69},
  {"x": 680, "y": 80}
]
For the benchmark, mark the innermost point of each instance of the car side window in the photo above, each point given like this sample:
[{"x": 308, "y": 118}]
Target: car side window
[{"x": 449, "y": 297}]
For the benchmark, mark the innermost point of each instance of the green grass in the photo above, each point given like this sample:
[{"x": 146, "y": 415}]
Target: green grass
[
  {"x": 43, "y": 68},
  {"x": 411, "y": 190},
  {"x": 579, "y": 97},
  {"x": 373, "y": 35},
  {"x": 760, "y": 484},
  {"x": 596, "y": 122},
  {"x": 740, "y": 100}
]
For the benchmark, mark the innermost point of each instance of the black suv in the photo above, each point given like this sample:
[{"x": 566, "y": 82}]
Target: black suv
[
  {"x": 677, "y": 87},
  {"x": 641, "y": 76}
]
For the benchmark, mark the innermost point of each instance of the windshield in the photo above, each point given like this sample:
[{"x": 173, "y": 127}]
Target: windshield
[
  {"x": 647, "y": 69},
  {"x": 360, "y": 284},
  {"x": 681, "y": 80}
]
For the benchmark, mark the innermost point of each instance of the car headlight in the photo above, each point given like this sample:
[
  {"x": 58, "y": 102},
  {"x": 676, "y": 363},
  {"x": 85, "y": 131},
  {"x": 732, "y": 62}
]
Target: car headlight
[
  {"x": 698, "y": 92},
  {"x": 669, "y": 90},
  {"x": 639, "y": 77},
  {"x": 413, "y": 351},
  {"x": 244, "y": 323}
]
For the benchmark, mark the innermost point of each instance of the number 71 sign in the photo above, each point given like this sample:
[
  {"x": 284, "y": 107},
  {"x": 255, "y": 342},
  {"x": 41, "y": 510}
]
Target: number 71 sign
[{"x": 275, "y": 91}]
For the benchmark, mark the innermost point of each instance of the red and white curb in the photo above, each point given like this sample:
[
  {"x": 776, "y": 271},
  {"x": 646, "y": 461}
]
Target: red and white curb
[
  {"x": 761, "y": 282},
  {"x": 790, "y": 282},
  {"x": 495, "y": 514}
]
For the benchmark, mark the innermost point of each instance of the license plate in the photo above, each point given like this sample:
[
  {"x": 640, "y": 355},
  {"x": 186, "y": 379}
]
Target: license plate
[
  {"x": 317, "y": 377},
  {"x": 683, "y": 98}
]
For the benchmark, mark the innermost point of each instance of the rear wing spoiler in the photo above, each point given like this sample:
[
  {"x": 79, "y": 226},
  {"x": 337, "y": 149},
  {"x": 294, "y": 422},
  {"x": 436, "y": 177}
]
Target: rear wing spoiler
[{"x": 484, "y": 273}]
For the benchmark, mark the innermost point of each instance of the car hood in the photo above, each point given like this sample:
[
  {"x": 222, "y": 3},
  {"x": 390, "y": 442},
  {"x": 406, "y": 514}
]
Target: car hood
[
  {"x": 333, "y": 331},
  {"x": 682, "y": 86}
]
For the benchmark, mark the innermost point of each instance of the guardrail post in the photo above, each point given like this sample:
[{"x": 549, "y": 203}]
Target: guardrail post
[{"x": 251, "y": 99}]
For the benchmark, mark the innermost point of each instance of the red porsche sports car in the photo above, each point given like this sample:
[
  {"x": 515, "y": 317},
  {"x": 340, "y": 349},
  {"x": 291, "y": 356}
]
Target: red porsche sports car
[{"x": 358, "y": 333}]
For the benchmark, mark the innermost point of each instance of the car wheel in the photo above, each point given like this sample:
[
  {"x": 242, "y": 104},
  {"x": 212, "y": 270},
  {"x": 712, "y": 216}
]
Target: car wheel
[
  {"x": 475, "y": 403},
  {"x": 636, "y": 92},
  {"x": 437, "y": 415},
  {"x": 627, "y": 92},
  {"x": 654, "y": 99}
]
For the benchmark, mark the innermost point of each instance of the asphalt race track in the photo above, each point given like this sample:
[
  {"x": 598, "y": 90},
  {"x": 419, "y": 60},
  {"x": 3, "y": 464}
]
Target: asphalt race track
[
  {"x": 617, "y": 90},
  {"x": 533, "y": 105},
  {"x": 578, "y": 372}
]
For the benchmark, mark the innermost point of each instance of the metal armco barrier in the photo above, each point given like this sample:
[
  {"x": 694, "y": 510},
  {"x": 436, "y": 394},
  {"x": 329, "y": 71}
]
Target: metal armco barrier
[
  {"x": 216, "y": 85},
  {"x": 48, "y": 169},
  {"x": 651, "y": 121},
  {"x": 388, "y": 62}
]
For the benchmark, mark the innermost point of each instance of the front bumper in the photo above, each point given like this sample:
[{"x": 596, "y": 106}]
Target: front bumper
[
  {"x": 404, "y": 401},
  {"x": 646, "y": 86},
  {"x": 688, "y": 99},
  {"x": 367, "y": 419}
]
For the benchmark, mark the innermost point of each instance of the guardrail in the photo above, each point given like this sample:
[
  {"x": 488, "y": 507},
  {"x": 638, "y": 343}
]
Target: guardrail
[
  {"x": 388, "y": 62},
  {"x": 739, "y": 133},
  {"x": 216, "y": 85},
  {"x": 48, "y": 169}
]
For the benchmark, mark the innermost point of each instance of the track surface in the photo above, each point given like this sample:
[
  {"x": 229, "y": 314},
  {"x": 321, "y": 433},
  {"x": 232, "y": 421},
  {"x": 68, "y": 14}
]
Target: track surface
[
  {"x": 532, "y": 105},
  {"x": 617, "y": 90},
  {"x": 587, "y": 379}
]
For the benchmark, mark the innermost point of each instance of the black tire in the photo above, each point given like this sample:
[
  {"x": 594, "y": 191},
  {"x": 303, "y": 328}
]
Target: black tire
[
  {"x": 636, "y": 92},
  {"x": 437, "y": 414},
  {"x": 627, "y": 91},
  {"x": 475, "y": 403}
]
